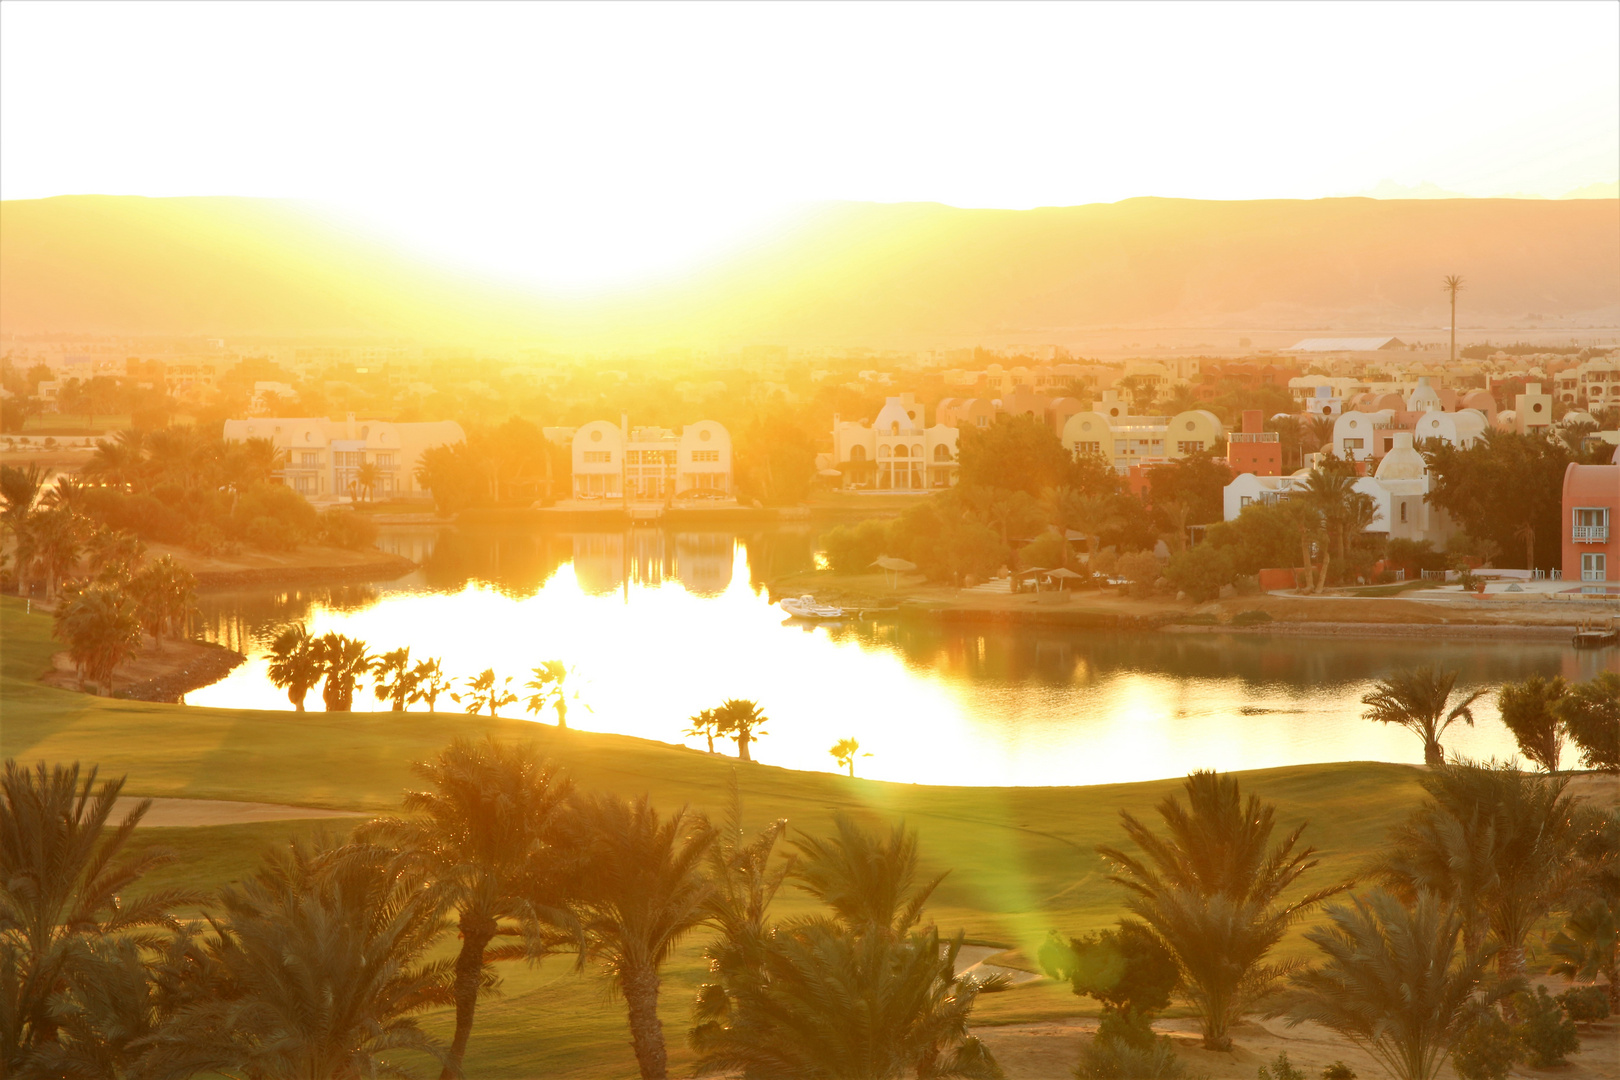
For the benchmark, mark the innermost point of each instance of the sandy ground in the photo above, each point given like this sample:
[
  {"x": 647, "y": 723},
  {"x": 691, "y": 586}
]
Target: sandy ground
[
  {"x": 1050, "y": 1049},
  {"x": 172, "y": 812}
]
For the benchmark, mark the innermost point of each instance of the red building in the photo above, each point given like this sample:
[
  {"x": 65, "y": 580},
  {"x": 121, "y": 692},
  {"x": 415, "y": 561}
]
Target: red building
[
  {"x": 1254, "y": 449},
  {"x": 1591, "y": 505}
]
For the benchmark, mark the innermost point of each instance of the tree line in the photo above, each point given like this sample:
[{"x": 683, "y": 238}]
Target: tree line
[{"x": 323, "y": 961}]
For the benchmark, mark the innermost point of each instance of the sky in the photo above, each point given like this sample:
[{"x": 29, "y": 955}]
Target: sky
[{"x": 605, "y": 143}]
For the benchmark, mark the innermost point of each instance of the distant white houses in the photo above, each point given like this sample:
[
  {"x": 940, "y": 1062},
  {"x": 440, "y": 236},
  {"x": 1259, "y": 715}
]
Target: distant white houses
[
  {"x": 1399, "y": 490},
  {"x": 1108, "y": 430},
  {"x": 321, "y": 458},
  {"x": 898, "y": 451},
  {"x": 611, "y": 461}
]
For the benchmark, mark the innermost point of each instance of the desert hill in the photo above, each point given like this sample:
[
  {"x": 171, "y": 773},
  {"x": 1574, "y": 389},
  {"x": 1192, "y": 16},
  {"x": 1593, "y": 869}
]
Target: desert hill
[{"x": 837, "y": 274}]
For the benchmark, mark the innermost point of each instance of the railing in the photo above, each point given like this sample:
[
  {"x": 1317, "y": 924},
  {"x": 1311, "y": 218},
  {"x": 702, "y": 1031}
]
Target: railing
[
  {"x": 1253, "y": 437},
  {"x": 1591, "y": 534}
]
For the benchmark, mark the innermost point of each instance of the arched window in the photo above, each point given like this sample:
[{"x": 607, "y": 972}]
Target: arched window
[
  {"x": 857, "y": 453},
  {"x": 883, "y": 451},
  {"x": 900, "y": 451},
  {"x": 942, "y": 452}
]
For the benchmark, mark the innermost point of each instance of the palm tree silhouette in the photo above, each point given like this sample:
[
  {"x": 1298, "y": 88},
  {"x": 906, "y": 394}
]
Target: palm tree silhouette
[
  {"x": 740, "y": 720},
  {"x": 295, "y": 663},
  {"x": 344, "y": 660},
  {"x": 640, "y": 890},
  {"x": 481, "y": 832},
  {"x": 1417, "y": 699},
  {"x": 845, "y": 751}
]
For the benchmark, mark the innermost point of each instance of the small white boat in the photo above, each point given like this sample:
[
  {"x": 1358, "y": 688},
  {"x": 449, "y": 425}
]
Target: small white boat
[{"x": 805, "y": 607}]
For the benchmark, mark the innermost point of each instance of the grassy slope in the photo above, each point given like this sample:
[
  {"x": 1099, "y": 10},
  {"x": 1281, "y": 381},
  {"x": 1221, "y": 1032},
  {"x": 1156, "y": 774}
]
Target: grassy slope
[{"x": 1021, "y": 859}]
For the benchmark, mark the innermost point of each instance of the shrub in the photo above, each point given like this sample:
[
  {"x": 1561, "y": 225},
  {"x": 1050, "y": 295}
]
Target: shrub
[
  {"x": 1201, "y": 571},
  {"x": 1280, "y": 1070},
  {"x": 271, "y": 534},
  {"x": 851, "y": 549},
  {"x": 1338, "y": 1071},
  {"x": 1141, "y": 569},
  {"x": 1253, "y": 617},
  {"x": 1045, "y": 550},
  {"x": 1128, "y": 970},
  {"x": 1486, "y": 1048},
  {"x": 1584, "y": 1004},
  {"x": 1113, "y": 1059},
  {"x": 346, "y": 529},
  {"x": 1548, "y": 1036}
]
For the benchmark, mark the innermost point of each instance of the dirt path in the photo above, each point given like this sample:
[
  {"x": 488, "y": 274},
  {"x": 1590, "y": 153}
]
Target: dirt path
[{"x": 167, "y": 813}]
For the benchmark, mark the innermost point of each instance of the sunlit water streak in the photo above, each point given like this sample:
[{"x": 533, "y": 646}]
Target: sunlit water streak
[{"x": 658, "y": 635}]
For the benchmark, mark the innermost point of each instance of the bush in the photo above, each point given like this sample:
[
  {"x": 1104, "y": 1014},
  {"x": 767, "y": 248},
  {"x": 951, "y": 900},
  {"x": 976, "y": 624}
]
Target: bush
[
  {"x": 1201, "y": 572},
  {"x": 851, "y": 549},
  {"x": 1141, "y": 569},
  {"x": 1486, "y": 1049},
  {"x": 1128, "y": 970},
  {"x": 346, "y": 529},
  {"x": 1338, "y": 1071},
  {"x": 1548, "y": 1036},
  {"x": 1046, "y": 550},
  {"x": 1112, "y": 1059},
  {"x": 1252, "y": 617},
  {"x": 1280, "y": 1070},
  {"x": 1584, "y": 1004},
  {"x": 270, "y": 534}
]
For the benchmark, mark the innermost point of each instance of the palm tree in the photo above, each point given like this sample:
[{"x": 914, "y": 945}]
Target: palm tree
[
  {"x": 1501, "y": 844},
  {"x": 482, "y": 692},
  {"x": 318, "y": 968},
  {"x": 296, "y": 663},
  {"x": 366, "y": 477},
  {"x": 1591, "y": 715},
  {"x": 395, "y": 677},
  {"x": 118, "y": 462},
  {"x": 1589, "y": 946},
  {"x": 870, "y": 882},
  {"x": 550, "y": 684},
  {"x": 100, "y": 629},
  {"x": 1395, "y": 982},
  {"x": 344, "y": 660},
  {"x": 482, "y": 833},
  {"x": 113, "y": 553},
  {"x": 19, "y": 491},
  {"x": 430, "y": 682},
  {"x": 67, "y": 879},
  {"x": 835, "y": 1004},
  {"x": 1344, "y": 510},
  {"x": 703, "y": 724},
  {"x": 1451, "y": 285},
  {"x": 163, "y": 591},
  {"x": 1528, "y": 711},
  {"x": 845, "y": 751},
  {"x": 1212, "y": 892},
  {"x": 860, "y": 995},
  {"x": 1073, "y": 512},
  {"x": 740, "y": 720},
  {"x": 641, "y": 888},
  {"x": 1316, "y": 431},
  {"x": 58, "y": 536},
  {"x": 1417, "y": 699}
]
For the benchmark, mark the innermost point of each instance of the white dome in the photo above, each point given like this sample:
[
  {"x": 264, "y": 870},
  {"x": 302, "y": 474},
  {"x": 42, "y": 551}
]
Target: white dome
[
  {"x": 1424, "y": 397},
  {"x": 1575, "y": 416},
  {"x": 1402, "y": 462}
]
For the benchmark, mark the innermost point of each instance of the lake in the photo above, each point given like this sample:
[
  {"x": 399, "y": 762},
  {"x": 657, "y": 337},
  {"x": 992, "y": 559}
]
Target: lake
[{"x": 660, "y": 624}]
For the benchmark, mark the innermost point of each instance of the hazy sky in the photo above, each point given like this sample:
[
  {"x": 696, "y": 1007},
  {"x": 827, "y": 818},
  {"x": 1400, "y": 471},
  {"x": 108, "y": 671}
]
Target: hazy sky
[{"x": 593, "y": 142}]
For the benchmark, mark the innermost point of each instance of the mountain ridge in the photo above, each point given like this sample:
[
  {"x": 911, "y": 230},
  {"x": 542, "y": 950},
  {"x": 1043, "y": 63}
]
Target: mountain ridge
[{"x": 837, "y": 274}]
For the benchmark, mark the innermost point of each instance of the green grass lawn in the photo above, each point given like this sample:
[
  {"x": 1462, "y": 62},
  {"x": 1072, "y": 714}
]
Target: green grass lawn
[{"x": 1021, "y": 860}]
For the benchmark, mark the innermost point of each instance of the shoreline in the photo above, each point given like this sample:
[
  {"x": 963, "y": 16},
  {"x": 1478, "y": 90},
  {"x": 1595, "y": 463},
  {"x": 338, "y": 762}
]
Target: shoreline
[{"x": 163, "y": 676}]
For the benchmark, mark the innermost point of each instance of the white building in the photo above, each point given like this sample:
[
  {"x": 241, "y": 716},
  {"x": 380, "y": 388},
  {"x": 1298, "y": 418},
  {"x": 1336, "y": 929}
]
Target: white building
[
  {"x": 898, "y": 451},
  {"x": 1399, "y": 490},
  {"x": 650, "y": 463},
  {"x": 1109, "y": 431},
  {"x": 321, "y": 459}
]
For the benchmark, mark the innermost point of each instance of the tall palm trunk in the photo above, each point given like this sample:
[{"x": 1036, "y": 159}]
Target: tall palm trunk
[
  {"x": 743, "y": 739},
  {"x": 477, "y": 930},
  {"x": 1433, "y": 755},
  {"x": 646, "y": 1030}
]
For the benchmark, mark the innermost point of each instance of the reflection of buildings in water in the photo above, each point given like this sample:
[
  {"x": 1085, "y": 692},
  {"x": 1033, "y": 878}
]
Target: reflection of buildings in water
[
  {"x": 703, "y": 561},
  {"x": 699, "y": 562}
]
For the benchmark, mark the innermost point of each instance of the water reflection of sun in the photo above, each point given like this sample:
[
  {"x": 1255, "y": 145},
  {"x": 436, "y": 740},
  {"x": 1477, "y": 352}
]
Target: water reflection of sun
[{"x": 648, "y": 652}]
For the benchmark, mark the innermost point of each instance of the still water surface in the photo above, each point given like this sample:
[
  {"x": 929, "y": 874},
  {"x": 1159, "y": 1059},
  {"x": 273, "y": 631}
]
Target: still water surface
[{"x": 661, "y": 624}]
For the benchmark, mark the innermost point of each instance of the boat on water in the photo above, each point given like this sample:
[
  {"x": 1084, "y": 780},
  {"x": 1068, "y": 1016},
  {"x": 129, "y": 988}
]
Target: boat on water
[{"x": 805, "y": 607}]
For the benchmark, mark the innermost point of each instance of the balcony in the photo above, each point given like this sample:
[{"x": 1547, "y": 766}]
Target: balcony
[
  {"x": 1590, "y": 534},
  {"x": 1253, "y": 437}
]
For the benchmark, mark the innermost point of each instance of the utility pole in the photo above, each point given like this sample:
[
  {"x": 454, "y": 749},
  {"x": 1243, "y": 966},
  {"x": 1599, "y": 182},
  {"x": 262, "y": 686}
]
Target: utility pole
[{"x": 1453, "y": 284}]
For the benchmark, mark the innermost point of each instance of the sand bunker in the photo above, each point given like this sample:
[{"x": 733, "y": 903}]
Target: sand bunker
[{"x": 172, "y": 812}]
